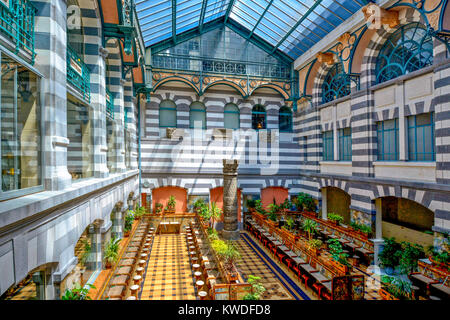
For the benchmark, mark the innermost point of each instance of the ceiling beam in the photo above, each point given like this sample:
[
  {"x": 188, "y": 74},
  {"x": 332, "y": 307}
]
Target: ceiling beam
[
  {"x": 202, "y": 15},
  {"x": 260, "y": 18},
  {"x": 174, "y": 21},
  {"x": 230, "y": 6},
  {"x": 300, "y": 21}
]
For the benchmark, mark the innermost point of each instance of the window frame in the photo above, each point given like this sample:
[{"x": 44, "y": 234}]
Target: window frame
[
  {"x": 198, "y": 110},
  {"x": 260, "y": 112},
  {"x": 344, "y": 153},
  {"x": 238, "y": 112},
  {"x": 325, "y": 141},
  {"x": 5, "y": 195},
  {"x": 286, "y": 114},
  {"x": 381, "y": 155},
  {"x": 167, "y": 108},
  {"x": 414, "y": 128}
]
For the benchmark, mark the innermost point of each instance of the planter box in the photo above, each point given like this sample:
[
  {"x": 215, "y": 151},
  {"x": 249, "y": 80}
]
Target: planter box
[
  {"x": 386, "y": 295},
  {"x": 169, "y": 211}
]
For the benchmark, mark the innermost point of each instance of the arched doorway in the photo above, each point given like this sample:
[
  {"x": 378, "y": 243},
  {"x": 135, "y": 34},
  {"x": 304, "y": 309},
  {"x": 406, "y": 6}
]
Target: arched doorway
[
  {"x": 271, "y": 194},
  {"x": 406, "y": 220},
  {"x": 162, "y": 195},
  {"x": 335, "y": 200}
]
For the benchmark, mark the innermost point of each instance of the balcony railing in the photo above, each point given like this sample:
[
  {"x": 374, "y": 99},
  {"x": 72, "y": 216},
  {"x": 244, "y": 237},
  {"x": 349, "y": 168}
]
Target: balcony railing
[
  {"x": 17, "y": 23},
  {"x": 78, "y": 74},
  {"x": 109, "y": 105},
  {"x": 221, "y": 66}
]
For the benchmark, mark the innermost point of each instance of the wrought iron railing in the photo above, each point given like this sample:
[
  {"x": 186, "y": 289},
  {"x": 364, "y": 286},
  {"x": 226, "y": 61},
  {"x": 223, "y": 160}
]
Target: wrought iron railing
[
  {"x": 109, "y": 105},
  {"x": 78, "y": 74},
  {"x": 221, "y": 66},
  {"x": 17, "y": 23}
]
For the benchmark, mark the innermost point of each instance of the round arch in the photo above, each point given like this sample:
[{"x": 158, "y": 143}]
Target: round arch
[
  {"x": 175, "y": 79},
  {"x": 274, "y": 87},
  {"x": 226, "y": 83}
]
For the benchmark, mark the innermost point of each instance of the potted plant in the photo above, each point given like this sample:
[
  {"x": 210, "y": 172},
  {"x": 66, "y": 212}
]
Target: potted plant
[
  {"x": 212, "y": 234},
  {"x": 259, "y": 209},
  {"x": 390, "y": 255},
  {"x": 257, "y": 288},
  {"x": 310, "y": 227},
  {"x": 129, "y": 219},
  {"x": 78, "y": 292},
  {"x": 335, "y": 218},
  {"x": 198, "y": 204},
  {"x": 140, "y": 212},
  {"x": 228, "y": 254},
  {"x": 170, "y": 208},
  {"x": 410, "y": 255},
  {"x": 439, "y": 259},
  {"x": 305, "y": 202},
  {"x": 215, "y": 213},
  {"x": 338, "y": 256},
  {"x": 158, "y": 207},
  {"x": 314, "y": 246},
  {"x": 111, "y": 252},
  {"x": 394, "y": 289}
]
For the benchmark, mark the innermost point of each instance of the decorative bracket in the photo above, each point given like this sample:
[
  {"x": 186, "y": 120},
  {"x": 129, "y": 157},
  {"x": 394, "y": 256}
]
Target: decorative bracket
[
  {"x": 326, "y": 57},
  {"x": 377, "y": 16}
]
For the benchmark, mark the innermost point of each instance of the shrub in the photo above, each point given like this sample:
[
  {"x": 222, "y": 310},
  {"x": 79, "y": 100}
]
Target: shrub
[
  {"x": 305, "y": 201},
  {"x": 129, "y": 218},
  {"x": 390, "y": 256},
  {"x": 409, "y": 256},
  {"x": 257, "y": 288},
  {"x": 335, "y": 217},
  {"x": 111, "y": 252},
  {"x": 78, "y": 293}
]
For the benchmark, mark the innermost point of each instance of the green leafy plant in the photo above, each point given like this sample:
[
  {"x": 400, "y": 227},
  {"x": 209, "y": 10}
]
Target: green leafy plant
[
  {"x": 390, "y": 256},
  {"x": 399, "y": 288},
  {"x": 410, "y": 255},
  {"x": 257, "y": 288},
  {"x": 140, "y": 211},
  {"x": 227, "y": 252},
  {"x": 259, "y": 208},
  {"x": 336, "y": 251},
  {"x": 315, "y": 243},
  {"x": 158, "y": 207},
  {"x": 361, "y": 227},
  {"x": 129, "y": 219},
  {"x": 305, "y": 201},
  {"x": 215, "y": 212},
  {"x": 78, "y": 292},
  {"x": 111, "y": 252},
  {"x": 335, "y": 217},
  {"x": 290, "y": 223},
  {"x": 198, "y": 203},
  {"x": 86, "y": 251},
  {"x": 212, "y": 234},
  {"x": 171, "y": 203},
  {"x": 286, "y": 205},
  {"x": 309, "y": 226},
  {"x": 438, "y": 256},
  {"x": 251, "y": 203}
]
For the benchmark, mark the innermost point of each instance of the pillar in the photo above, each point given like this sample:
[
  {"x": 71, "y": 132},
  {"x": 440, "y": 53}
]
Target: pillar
[
  {"x": 117, "y": 222},
  {"x": 324, "y": 204},
  {"x": 230, "y": 200},
  {"x": 94, "y": 260}
]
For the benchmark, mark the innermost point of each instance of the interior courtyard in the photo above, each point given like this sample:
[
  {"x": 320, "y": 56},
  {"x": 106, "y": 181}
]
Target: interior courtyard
[{"x": 225, "y": 150}]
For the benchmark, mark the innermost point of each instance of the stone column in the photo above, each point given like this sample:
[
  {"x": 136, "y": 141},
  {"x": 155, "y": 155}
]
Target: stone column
[
  {"x": 230, "y": 200},
  {"x": 95, "y": 259}
]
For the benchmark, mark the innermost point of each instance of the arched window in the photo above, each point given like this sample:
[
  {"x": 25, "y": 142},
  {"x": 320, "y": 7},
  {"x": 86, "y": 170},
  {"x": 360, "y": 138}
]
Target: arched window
[
  {"x": 231, "y": 116},
  {"x": 336, "y": 84},
  {"x": 197, "y": 114},
  {"x": 258, "y": 117},
  {"x": 167, "y": 114},
  {"x": 408, "y": 49},
  {"x": 285, "y": 119}
]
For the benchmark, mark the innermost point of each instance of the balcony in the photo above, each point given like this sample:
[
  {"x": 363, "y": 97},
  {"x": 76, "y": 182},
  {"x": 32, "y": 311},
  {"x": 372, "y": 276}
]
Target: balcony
[
  {"x": 17, "y": 23},
  {"x": 78, "y": 75}
]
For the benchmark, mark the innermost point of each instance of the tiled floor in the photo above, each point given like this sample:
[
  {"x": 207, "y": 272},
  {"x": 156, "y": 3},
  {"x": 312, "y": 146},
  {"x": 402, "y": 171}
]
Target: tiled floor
[
  {"x": 253, "y": 263},
  {"x": 168, "y": 275}
]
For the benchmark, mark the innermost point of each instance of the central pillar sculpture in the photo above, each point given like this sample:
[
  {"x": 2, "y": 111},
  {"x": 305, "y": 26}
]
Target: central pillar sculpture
[{"x": 230, "y": 200}]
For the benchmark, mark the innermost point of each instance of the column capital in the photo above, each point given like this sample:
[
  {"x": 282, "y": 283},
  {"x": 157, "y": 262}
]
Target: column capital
[{"x": 230, "y": 166}]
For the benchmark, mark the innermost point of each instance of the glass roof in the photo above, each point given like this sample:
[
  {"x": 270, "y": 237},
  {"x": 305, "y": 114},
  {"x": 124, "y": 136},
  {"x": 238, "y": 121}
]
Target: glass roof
[{"x": 292, "y": 26}]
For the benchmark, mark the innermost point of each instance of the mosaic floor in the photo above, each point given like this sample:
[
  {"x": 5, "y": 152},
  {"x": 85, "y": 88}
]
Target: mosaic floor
[
  {"x": 276, "y": 282},
  {"x": 168, "y": 275}
]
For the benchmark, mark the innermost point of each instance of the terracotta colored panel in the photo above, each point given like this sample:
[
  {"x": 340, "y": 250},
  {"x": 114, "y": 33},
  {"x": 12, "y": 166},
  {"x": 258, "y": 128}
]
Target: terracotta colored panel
[
  {"x": 278, "y": 193},
  {"x": 127, "y": 58},
  {"x": 144, "y": 200},
  {"x": 311, "y": 78},
  {"x": 110, "y": 12},
  {"x": 216, "y": 195},
  {"x": 360, "y": 49},
  {"x": 162, "y": 195},
  {"x": 137, "y": 75}
]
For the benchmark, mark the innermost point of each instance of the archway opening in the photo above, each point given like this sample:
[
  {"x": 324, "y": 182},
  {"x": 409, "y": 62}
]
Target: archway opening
[
  {"x": 338, "y": 202},
  {"x": 406, "y": 220}
]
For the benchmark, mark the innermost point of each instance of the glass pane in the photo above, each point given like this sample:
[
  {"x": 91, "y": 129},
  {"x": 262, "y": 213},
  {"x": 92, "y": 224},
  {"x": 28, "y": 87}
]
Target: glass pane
[
  {"x": 168, "y": 118},
  {"x": 79, "y": 132},
  {"x": 20, "y": 127},
  {"x": 231, "y": 120},
  {"x": 195, "y": 117}
]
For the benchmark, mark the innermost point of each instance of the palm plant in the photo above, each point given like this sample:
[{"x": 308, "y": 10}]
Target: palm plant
[
  {"x": 215, "y": 212},
  {"x": 310, "y": 226}
]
